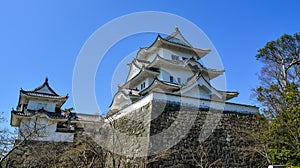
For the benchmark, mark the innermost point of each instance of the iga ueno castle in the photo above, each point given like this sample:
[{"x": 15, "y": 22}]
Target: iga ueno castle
[{"x": 167, "y": 70}]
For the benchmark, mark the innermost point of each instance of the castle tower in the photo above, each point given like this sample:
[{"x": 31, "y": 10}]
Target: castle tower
[
  {"x": 39, "y": 115},
  {"x": 170, "y": 66}
]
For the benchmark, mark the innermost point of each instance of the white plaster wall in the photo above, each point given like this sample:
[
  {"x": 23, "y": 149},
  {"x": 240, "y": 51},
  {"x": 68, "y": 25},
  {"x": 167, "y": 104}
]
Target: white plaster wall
[
  {"x": 42, "y": 126},
  {"x": 164, "y": 75},
  {"x": 46, "y": 130},
  {"x": 181, "y": 73},
  {"x": 167, "y": 54},
  {"x": 63, "y": 137},
  {"x": 34, "y": 105},
  {"x": 151, "y": 57},
  {"x": 196, "y": 102},
  {"x": 22, "y": 129},
  {"x": 123, "y": 101},
  {"x": 226, "y": 106},
  {"x": 147, "y": 81},
  {"x": 133, "y": 107}
]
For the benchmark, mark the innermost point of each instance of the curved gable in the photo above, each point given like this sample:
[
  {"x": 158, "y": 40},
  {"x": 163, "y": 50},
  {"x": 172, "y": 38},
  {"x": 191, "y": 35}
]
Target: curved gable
[
  {"x": 133, "y": 71},
  {"x": 120, "y": 100}
]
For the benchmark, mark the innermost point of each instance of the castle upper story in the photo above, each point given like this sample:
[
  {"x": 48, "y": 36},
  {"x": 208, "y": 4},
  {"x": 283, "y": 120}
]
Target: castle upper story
[{"x": 170, "y": 65}]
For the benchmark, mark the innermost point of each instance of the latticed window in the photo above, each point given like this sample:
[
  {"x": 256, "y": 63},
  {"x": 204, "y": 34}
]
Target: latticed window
[
  {"x": 171, "y": 79},
  {"x": 175, "y": 57},
  {"x": 178, "y": 80},
  {"x": 143, "y": 85}
]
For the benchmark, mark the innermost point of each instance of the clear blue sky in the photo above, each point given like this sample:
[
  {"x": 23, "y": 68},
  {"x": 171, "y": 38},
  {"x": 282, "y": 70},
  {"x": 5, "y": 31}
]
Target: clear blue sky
[{"x": 42, "y": 39}]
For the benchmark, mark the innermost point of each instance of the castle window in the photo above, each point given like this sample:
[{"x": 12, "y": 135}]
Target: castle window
[
  {"x": 143, "y": 85},
  {"x": 175, "y": 57},
  {"x": 41, "y": 105},
  {"x": 171, "y": 79},
  {"x": 178, "y": 80}
]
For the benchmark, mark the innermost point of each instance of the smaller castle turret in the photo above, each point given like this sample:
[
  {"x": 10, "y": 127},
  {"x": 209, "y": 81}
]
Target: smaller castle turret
[{"x": 39, "y": 116}]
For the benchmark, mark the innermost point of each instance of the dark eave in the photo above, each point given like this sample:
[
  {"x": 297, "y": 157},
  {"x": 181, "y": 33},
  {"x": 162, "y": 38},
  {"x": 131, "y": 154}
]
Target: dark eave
[
  {"x": 17, "y": 115},
  {"x": 42, "y": 95}
]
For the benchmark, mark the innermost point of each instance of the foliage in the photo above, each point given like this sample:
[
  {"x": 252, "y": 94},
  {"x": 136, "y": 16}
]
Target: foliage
[
  {"x": 281, "y": 60},
  {"x": 280, "y": 96},
  {"x": 7, "y": 138},
  {"x": 283, "y": 137}
]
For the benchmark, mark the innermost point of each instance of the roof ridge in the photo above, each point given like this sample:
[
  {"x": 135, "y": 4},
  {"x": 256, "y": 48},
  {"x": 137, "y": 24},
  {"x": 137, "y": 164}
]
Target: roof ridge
[
  {"x": 43, "y": 85},
  {"x": 174, "y": 34}
]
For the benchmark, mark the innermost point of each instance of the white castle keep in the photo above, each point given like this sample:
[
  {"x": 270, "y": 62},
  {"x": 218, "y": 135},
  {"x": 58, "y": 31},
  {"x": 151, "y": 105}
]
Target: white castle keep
[{"x": 169, "y": 69}]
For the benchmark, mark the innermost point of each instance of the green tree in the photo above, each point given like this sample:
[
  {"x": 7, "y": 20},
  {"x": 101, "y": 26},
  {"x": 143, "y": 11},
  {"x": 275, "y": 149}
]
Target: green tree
[{"x": 280, "y": 96}]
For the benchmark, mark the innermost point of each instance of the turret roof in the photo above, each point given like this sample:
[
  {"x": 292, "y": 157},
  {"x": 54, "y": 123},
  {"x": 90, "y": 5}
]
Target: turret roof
[
  {"x": 43, "y": 91},
  {"x": 175, "y": 41},
  {"x": 177, "y": 37}
]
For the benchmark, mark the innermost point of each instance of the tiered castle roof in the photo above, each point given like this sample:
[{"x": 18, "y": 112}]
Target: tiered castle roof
[{"x": 172, "y": 57}]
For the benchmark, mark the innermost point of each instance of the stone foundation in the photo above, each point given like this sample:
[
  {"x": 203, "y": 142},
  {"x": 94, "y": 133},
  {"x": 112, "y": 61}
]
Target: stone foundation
[
  {"x": 159, "y": 134},
  {"x": 215, "y": 138}
]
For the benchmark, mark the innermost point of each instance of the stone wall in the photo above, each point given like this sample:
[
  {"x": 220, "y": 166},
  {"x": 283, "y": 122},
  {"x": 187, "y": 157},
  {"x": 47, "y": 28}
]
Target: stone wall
[
  {"x": 128, "y": 138},
  {"x": 159, "y": 134},
  {"x": 84, "y": 152},
  {"x": 215, "y": 139},
  {"x": 190, "y": 137}
]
